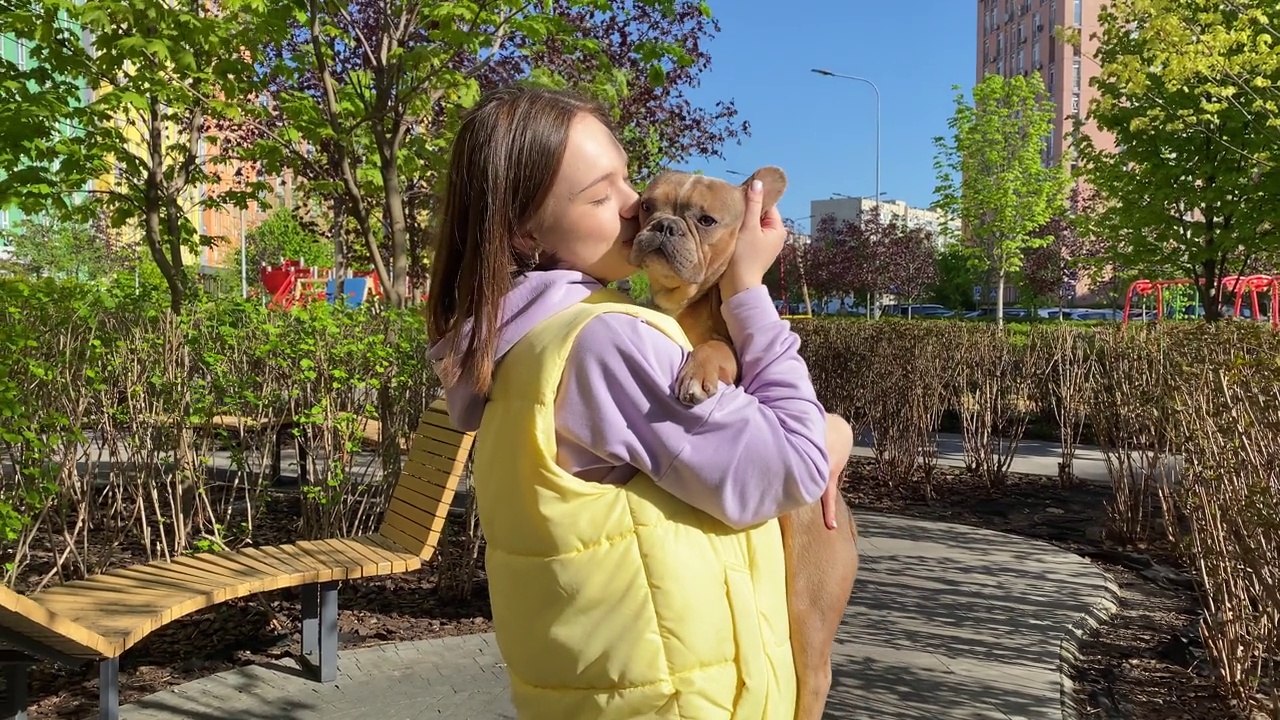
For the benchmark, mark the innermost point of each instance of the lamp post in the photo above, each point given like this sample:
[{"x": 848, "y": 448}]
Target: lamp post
[
  {"x": 875, "y": 88},
  {"x": 244, "y": 265}
]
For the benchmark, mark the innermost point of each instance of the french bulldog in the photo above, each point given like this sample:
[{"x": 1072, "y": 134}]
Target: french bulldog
[{"x": 689, "y": 230}]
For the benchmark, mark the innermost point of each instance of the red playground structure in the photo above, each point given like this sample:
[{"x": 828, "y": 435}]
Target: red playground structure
[
  {"x": 1236, "y": 285},
  {"x": 292, "y": 284}
]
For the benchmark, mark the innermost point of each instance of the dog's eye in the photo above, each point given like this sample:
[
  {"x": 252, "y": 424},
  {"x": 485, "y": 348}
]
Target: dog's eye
[
  {"x": 646, "y": 206},
  {"x": 706, "y": 221}
]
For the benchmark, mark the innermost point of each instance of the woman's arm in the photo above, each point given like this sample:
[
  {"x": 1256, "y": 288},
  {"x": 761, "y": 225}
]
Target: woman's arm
[{"x": 747, "y": 454}]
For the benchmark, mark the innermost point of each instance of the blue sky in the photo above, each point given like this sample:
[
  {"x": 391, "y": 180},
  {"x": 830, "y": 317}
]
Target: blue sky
[{"x": 821, "y": 130}]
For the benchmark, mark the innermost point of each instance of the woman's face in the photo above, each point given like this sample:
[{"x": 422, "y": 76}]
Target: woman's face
[{"x": 590, "y": 215}]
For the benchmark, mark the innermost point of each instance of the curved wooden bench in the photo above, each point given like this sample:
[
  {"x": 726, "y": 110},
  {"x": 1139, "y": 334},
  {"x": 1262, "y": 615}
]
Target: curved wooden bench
[{"x": 102, "y": 616}]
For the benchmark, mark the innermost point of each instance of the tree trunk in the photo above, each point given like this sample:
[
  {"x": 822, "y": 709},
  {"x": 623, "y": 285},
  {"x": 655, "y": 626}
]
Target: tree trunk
[
  {"x": 1210, "y": 290},
  {"x": 397, "y": 296},
  {"x": 154, "y": 203},
  {"x": 1000, "y": 298},
  {"x": 339, "y": 247}
]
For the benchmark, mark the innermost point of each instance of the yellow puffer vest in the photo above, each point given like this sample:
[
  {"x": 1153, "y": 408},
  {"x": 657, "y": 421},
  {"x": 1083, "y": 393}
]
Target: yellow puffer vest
[{"x": 618, "y": 602}]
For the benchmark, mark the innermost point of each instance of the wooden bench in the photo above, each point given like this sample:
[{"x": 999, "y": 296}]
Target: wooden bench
[{"x": 100, "y": 617}]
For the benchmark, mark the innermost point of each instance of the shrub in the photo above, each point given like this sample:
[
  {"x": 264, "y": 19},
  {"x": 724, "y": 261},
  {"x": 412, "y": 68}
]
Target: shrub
[{"x": 89, "y": 371}]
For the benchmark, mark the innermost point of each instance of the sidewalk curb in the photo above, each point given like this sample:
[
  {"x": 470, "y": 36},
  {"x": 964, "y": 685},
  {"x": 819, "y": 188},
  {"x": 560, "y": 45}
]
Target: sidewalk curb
[{"x": 1070, "y": 647}]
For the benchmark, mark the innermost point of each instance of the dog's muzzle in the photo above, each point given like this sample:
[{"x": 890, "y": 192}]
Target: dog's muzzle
[{"x": 665, "y": 239}]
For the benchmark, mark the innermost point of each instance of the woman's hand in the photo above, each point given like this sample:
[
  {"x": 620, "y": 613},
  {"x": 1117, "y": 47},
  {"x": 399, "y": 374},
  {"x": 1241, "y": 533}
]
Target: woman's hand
[{"x": 760, "y": 240}]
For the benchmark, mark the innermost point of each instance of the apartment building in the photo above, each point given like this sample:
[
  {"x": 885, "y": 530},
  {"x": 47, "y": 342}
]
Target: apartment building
[
  {"x": 1019, "y": 37},
  {"x": 853, "y": 208}
]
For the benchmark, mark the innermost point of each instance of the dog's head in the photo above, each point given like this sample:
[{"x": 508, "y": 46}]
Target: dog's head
[{"x": 689, "y": 229}]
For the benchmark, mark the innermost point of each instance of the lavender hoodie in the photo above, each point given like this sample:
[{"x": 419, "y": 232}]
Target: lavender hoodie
[{"x": 749, "y": 453}]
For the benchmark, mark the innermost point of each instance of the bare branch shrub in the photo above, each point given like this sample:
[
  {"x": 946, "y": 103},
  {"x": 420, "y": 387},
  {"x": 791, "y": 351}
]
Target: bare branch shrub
[
  {"x": 993, "y": 392},
  {"x": 1230, "y": 503},
  {"x": 1068, "y": 361},
  {"x": 1130, "y": 412}
]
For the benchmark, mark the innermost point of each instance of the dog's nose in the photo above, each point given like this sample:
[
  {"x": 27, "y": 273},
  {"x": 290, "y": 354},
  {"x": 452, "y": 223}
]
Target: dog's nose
[{"x": 668, "y": 227}]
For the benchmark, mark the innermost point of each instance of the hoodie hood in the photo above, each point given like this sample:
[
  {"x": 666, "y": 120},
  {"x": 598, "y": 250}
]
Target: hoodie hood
[{"x": 535, "y": 296}]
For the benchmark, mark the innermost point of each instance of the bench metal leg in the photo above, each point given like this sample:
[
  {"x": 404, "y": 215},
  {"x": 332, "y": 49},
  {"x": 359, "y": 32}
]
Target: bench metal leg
[
  {"x": 15, "y": 685},
  {"x": 109, "y": 689},
  {"x": 320, "y": 629}
]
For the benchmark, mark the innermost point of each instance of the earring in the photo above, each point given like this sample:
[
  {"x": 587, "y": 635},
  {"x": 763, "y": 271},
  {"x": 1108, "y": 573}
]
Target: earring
[{"x": 528, "y": 262}]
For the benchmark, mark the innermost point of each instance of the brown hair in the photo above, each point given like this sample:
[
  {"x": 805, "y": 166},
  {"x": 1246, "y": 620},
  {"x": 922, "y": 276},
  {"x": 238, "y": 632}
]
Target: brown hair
[{"x": 502, "y": 164}]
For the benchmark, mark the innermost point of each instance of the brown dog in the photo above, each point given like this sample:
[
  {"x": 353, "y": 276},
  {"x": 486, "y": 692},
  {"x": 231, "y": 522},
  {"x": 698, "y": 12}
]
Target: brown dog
[{"x": 689, "y": 229}]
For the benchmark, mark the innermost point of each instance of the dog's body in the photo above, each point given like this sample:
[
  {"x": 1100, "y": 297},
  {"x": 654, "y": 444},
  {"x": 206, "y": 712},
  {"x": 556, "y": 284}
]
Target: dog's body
[{"x": 688, "y": 235}]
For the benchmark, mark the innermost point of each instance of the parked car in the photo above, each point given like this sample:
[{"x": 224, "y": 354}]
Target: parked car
[
  {"x": 990, "y": 312},
  {"x": 920, "y": 311}
]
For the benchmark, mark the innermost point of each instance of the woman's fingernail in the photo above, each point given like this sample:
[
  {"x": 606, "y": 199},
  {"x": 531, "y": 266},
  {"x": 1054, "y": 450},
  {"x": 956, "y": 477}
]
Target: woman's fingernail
[{"x": 756, "y": 186}]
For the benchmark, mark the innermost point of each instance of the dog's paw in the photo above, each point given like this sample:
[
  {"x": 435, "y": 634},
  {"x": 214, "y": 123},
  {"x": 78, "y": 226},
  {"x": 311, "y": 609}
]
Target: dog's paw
[{"x": 695, "y": 383}]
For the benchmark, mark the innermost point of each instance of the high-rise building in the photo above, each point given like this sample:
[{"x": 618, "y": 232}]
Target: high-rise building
[{"x": 1021, "y": 37}]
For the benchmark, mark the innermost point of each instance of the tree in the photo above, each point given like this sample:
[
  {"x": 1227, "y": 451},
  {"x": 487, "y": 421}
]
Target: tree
[
  {"x": 1193, "y": 188},
  {"x": 991, "y": 176},
  {"x": 955, "y": 279},
  {"x": 659, "y": 124},
  {"x": 1224, "y": 49},
  {"x": 283, "y": 235},
  {"x": 49, "y": 247},
  {"x": 904, "y": 258},
  {"x": 363, "y": 97},
  {"x": 838, "y": 260},
  {"x": 1051, "y": 272},
  {"x": 158, "y": 72}
]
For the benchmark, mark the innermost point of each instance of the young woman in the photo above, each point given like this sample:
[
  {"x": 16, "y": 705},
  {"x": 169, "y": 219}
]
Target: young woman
[{"x": 633, "y": 554}]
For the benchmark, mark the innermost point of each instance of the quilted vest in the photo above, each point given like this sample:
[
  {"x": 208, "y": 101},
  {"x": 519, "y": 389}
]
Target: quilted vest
[{"x": 618, "y": 602}]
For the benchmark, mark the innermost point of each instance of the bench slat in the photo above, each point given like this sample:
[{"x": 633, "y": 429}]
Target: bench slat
[
  {"x": 380, "y": 566},
  {"x": 286, "y": 570},
  {"x": 400, "y": 539},
  {"x": 417, "y": 523},
  {"x": 345, "y": 567},
  {"x": 448, "y": 436}
]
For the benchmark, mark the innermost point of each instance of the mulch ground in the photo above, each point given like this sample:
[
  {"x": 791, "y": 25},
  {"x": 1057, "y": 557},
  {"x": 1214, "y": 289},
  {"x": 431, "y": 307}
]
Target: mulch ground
[{"x": 1146, "y": 662}]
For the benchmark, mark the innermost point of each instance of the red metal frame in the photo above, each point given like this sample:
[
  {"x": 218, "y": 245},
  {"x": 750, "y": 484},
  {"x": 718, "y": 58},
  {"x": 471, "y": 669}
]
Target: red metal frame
[
  {"x": 282, "y": 283},
  {"x": 1234, "y": 284}
]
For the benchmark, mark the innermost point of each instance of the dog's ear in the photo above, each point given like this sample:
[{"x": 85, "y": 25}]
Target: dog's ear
[{"x": 775, "y": 181}]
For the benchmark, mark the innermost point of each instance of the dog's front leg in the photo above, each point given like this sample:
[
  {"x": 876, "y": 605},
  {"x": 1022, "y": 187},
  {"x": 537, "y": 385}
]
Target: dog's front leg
[{"x": 710, "y": 364}]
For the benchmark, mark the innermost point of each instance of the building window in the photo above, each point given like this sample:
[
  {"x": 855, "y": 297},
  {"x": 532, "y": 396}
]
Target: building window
[
  {"x": 1021, "y": 64},
  {"x": 1075, "y": 75},
  {"x": 1000, "y": 66},
  {"x": 4, "y": 219},
  {"x": 22, "y": 54},
  {"x": 1075, "y": 104},
  {"x": 1053, "y": 15},
  {"x": 1000, "y": 46},
  {"x": 986, "y": 50},
  {"x": 1035, "y": 19},
  {"x": 1077, "y": 12},
  {"x": 1051, "y": 77},
  {"x": 1035, "y": 55}
]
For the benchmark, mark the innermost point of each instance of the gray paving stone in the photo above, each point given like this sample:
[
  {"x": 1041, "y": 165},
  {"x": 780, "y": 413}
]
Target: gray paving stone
[{"x": 946, "y": 622}]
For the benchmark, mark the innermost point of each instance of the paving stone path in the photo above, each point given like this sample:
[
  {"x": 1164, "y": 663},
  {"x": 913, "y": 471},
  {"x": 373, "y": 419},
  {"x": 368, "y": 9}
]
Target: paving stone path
[{"x": 946, "y": 622}]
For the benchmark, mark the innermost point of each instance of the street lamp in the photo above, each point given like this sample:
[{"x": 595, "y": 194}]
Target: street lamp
[
  {"x": 875, "y": 88},
  {"x": 856, "y": 197},
  {"x": 828, "y": 73}
]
